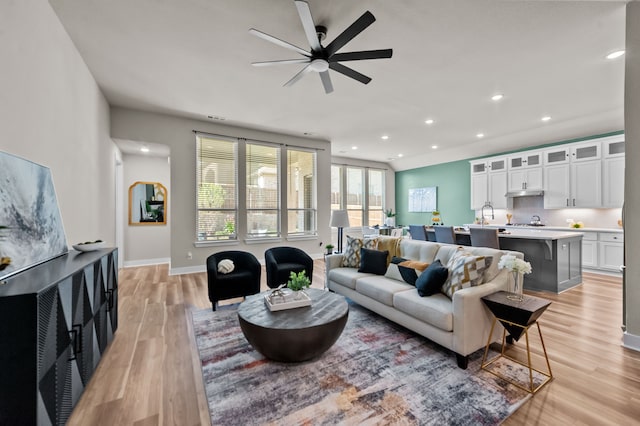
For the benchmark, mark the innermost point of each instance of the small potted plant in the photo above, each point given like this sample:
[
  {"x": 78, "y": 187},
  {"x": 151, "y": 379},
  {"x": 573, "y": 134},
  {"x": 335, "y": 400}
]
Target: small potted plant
[
  {"x": 298, "y": 281},
  {"x": 329, "y": 248},
  {"x": 389, "y": 217}
]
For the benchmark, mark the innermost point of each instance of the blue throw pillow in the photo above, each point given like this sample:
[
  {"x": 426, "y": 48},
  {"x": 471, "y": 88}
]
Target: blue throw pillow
[
  {"x": 373, "y": 261},
  {"x": 431, "y": 280}
]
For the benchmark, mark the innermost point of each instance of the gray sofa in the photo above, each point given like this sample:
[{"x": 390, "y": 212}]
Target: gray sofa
[{"x": 461, "y": 324}]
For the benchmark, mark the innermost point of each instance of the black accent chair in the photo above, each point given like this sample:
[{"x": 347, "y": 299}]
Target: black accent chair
[
  {"x": 418, "y": 232},
  {"x": 243, "y": 281},
  {"x": 281, "y": 261}
]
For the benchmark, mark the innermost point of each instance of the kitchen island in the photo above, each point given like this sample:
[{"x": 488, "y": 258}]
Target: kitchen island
[{"x": 555, "y": 256}]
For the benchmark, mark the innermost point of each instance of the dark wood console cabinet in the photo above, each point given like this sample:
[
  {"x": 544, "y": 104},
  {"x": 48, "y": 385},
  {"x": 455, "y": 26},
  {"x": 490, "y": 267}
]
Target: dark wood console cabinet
[{"x": 56, "y": 320}]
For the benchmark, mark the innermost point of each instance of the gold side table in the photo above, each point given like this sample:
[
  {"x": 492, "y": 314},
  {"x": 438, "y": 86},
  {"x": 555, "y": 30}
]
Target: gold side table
[{"x": 516, "y": 317}]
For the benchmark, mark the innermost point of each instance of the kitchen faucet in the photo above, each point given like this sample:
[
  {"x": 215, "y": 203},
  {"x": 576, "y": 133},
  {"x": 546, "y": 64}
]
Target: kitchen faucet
[{"x": 487, "y": 204}]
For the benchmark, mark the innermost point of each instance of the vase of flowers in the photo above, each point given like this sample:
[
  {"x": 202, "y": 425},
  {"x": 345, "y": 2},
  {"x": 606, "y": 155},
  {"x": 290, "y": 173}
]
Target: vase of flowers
[{"x": 518, "y": 267}]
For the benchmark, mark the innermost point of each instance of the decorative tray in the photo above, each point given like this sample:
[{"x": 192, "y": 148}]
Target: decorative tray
[{"x": 279, "y": 300}]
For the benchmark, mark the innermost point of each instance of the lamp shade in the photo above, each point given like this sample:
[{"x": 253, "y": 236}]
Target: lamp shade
[{"x": 339, "y": 219}]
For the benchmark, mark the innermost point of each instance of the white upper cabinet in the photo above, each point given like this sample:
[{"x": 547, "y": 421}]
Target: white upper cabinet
[
  {"x": 613, "y": 163},
  {"x": 489, "y": 183},
  {"x": 525, "y": 171},
  {"x": 573, "y": 176}
]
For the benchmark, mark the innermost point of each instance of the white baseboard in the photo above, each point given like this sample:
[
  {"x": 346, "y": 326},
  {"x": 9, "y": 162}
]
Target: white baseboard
[
  {"x": 188, "y": 270},
  {"x": 631, "y": 341},
  {"x": 146, "y": 262}
]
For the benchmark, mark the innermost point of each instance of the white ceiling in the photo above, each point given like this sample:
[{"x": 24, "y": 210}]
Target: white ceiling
[{"x": 192, "y": 58}]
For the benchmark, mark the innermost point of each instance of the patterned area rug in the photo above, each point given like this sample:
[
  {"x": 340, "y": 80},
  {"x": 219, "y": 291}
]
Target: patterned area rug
[{"x": 376, "y": 373}]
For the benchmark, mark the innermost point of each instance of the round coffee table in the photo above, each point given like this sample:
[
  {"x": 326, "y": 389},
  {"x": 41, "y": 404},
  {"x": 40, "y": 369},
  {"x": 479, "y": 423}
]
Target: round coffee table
[{"x": 294, "y": 335}]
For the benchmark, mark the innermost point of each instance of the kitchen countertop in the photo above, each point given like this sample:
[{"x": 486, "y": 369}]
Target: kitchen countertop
[
  {"x": 528, "y": 233},
  {"x": 552, "y": 228}
]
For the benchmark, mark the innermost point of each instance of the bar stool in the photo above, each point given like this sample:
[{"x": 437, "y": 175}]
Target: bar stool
[
  {"x": 485, "y": 237},
  {"x": 418, "y": 232},
  {"x": 445, "y": 234}
]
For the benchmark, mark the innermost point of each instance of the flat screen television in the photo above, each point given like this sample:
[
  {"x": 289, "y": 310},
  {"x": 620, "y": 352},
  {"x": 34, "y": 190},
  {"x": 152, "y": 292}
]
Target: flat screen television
[{"x": 31, "y": 229}]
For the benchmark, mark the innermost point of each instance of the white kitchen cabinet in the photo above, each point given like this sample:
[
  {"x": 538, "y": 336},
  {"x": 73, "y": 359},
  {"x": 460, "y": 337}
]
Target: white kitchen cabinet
[
  {"x": 613, "y": 182},
  {"x": 573, "y": 176},
  {"x": 525, "y": 179},
  {"x": 590, "y": 250},
  {"x": 557, "y": 186},
  {"x": 613, "y": 146},
  {"x": 610, "y": 251},
  {"x": 489, "y": 183}
]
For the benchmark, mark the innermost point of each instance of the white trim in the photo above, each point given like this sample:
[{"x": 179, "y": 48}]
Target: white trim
[
  {"x": 261, "y": 240},
  {"x": 215, "y": 243},
  {"x": 631, "y": 341},
  {"x": 146, "y": 262},
  {"x": 188, "y": 270}
]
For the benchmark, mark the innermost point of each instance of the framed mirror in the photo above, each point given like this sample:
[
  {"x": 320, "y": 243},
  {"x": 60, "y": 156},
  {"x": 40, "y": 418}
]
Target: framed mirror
[{"x": 147, "y": 204}]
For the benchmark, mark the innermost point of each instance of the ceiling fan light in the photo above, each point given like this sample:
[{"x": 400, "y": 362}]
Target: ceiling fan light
[{"x": 319, "y": 65}]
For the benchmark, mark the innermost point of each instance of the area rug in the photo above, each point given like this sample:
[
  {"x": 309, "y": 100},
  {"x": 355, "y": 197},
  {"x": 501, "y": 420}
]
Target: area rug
[{"x": 376, "y": 373}]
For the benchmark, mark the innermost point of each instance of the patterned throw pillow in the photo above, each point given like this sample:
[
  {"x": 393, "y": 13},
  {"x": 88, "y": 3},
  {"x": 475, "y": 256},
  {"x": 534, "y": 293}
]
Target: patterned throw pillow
[
  {"x": 465, "y": 270},
  {"x": 351, "y": 254},
  {"x": 406, "y": 270}
]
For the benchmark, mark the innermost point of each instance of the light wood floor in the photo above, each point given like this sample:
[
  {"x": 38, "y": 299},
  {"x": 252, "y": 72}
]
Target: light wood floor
[{"x": 150, "y": 375}]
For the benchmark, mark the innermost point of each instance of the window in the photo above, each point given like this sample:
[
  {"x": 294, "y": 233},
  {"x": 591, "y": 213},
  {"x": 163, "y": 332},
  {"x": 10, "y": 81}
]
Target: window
[
  {"x": 355, "y": 195},
  {"x": 263, "y": 195},
  {"x": 375, "y": 197},
  {"x": 216, "y": 196},
  {"x": 301, "y": 192},
  {"x": 361, "y": 191}
]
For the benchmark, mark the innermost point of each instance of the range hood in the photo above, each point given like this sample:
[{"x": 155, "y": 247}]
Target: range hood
[{"x": 524, "y": 193}]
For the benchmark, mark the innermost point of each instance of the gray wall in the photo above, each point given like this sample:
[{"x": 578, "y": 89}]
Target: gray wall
[
  {"x": 149, "y": 243},
  {"x": 632, "y": 175},
  {"x": 177, "y": 133},
  {"x": 53, "y": 113}
]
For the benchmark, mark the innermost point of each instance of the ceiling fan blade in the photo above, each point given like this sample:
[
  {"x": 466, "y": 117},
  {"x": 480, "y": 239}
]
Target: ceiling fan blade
[
  {"x": 281, "y": 62},
  {"x": 308, "y": 25},
  {"x": 298, "y": 76},
  {"x": 349, "y": 72},
  {"x": 365, "y": 54},
  {"x": 354, "y": 29},
  {"x": 279, "y": 42},
  {"x": 326, "y": 82}
]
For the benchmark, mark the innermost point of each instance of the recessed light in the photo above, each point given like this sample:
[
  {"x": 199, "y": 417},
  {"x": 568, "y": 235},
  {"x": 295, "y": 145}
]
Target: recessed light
[
  {"x": 546, "y": 118},
  {"x": 400, "y": 155},
  {"x": 615, "y": 54},
  {"x": 385, "y": 137},
  {"x": 144, "y": 149},
  {"x": 497, "y": 97},
  {"x": 429, "y": 121},
  {"x": 354, "y": 147},
  {"x": 434, "y": 146},
  {"x": 480, "y": 135}
]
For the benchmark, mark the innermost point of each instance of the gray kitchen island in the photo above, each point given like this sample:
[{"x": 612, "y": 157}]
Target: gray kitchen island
[{"x": 555, "y": 256}]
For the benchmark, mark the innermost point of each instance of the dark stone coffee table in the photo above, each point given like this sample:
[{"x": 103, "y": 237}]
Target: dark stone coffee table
[{"x": 294, "y": 335}]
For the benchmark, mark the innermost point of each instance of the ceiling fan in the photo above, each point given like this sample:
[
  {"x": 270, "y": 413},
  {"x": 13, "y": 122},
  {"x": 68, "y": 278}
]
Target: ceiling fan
[{"x": 320, "y": 59}]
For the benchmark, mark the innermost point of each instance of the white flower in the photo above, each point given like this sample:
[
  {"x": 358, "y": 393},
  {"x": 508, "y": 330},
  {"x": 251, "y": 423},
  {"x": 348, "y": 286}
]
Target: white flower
[{"x": 514, "y": 264}]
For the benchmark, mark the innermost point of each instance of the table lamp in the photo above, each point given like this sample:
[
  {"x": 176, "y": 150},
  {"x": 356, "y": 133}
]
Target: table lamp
[{"x": 340, "y": 220}]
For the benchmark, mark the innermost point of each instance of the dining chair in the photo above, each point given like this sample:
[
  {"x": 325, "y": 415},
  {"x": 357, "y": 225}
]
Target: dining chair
[{"x": 418, "y": 232}]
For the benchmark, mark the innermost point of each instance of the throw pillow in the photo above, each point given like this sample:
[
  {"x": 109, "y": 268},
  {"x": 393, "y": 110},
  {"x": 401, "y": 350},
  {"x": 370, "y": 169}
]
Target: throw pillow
[
  {"x": 351, "y": 254},
  {"x": 373, "y": 261},
  {"x": 431, "y": 280},
  {"x": 225, "y": 266},
  {"x": 465, "y": 270},
  {"x": 405, "y": 270},
  {"x": 389, "y": 243}
]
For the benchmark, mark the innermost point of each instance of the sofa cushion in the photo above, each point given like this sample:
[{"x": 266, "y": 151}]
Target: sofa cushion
[
  {"x": 391, "y": 244},
  {"x": 436, "y": 310},
  {"x": 346, "y": 276},
  {"x": 424, "y": 251},
  {"x": 406, "y": 270},
  {"x": 380, "y": 288},
  {"x": 431, "y": 280},
  {"x": 373, "y": 261},
  {"x": 465, "y": 270},
  {"x": 351, "y": 255}
]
